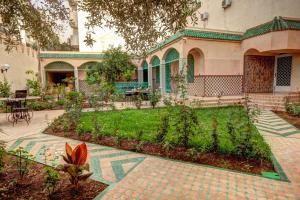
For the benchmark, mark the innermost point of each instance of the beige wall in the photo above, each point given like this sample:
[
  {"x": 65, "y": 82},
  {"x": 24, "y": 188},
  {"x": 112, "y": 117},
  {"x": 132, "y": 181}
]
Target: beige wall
[
  {"x": 218, "y": 57},
  {"x": 245, "y": 14},
  {"x": 20, "y": 60},
  {"x": 295, "y": 82}
]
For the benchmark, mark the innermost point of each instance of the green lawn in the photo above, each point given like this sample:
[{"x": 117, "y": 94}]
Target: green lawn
[{"x": 130, "y": 121}]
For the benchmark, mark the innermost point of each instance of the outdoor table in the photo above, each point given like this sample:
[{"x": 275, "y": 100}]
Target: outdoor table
[{"x": 18, "y": 109}]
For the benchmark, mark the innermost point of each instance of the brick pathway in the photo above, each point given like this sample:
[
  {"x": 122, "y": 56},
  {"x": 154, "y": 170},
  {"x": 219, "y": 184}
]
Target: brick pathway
[{"x": 137, "y": 176}]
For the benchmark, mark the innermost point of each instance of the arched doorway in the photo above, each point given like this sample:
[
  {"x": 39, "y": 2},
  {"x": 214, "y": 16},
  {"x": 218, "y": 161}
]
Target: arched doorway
[
  {"x": 155, "y": 62},
  {"x": 59, "y": 73},
  {"x": 171, "y": 69},
  {"x": 145, "y": 71},
  {"x": 83, "y": 86}
]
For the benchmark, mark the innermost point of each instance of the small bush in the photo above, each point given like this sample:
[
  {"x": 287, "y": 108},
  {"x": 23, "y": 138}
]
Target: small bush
[
  {"x": 5, "y": 88},
  {"x": 39, "y": 105},
  {"x": 163, "y": 128},
  {"x": 214, "y": 134},
  {"x": 22, "y": 161},
  {"x": 185, "y": 125},
  {"x": 2, "y": 153},
  {"x": 154, "y": 97},
  {"x": 60, "y": 102},
  {"x": 51, "y": 179}
]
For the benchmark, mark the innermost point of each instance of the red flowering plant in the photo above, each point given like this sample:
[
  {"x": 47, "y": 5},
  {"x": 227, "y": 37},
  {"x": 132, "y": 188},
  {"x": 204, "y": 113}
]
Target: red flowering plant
[{"x": 76, "y": 165}]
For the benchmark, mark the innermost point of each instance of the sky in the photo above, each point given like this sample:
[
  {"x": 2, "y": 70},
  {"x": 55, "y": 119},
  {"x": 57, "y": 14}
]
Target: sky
[{"x": 104, "y": 37}]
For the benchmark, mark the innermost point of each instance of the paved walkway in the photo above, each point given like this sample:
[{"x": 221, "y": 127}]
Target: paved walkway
[
  {"x": 38, "y": 123},
  {"x": 138, "y": 176}
]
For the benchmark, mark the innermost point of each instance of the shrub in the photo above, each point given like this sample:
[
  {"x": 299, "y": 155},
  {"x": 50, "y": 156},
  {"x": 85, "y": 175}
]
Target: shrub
[
  {"x": 163, "y": 128},
  {"x": 39, "y": 105},
  {"x": 214, "y": 134},
  {"x": 293, "y": 109},
  {"x": 192, "y": 153},
  {"x": 60, "y": 102},
  {"x": 167, "y": 101},
  {"x": 22, "y": 161},
  {"x": 80, "y": 129},
  {"x": 76, "y": 166},
  {"x": 2, "y": 153},
  {"x": 185, "y": 125},
  {"x": 5, "y": 88},
  {"x": 51, "y": 178},
  {"x": 97, "y": 130},
  {"x": 73, "y": 107},
  {"x": 138, "y": 101},
  {"x": 33, "y": 84},
  {"x": 154, "y": 97}
]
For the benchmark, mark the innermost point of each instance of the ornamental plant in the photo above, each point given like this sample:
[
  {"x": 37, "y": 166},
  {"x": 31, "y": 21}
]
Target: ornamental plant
[
  {"x": 22, "y": 161},
  {"x": 76, "y": 166},
  {"x": 154, "y": 97}
]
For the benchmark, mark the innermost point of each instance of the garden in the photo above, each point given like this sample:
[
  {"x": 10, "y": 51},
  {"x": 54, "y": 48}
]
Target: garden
[
  {"x": 292, "y": 114},
  {"x": 20, "y": 176}
]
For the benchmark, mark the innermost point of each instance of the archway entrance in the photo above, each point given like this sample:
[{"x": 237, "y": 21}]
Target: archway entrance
[{"x": 171, "y": 69}]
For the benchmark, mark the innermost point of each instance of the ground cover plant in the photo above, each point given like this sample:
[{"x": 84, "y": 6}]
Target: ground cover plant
[
  {"x": 223, "y": 136},
  {"x": 292, "y": 114}
]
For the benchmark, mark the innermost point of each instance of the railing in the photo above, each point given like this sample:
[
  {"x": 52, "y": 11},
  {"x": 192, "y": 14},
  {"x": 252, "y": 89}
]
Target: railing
[
  {"x": 121, "y": 87},
  {"x": 214, "y": 85}
]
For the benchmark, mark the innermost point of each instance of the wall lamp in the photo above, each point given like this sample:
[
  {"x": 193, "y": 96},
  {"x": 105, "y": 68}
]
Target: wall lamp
[{"x": 4, "y": 68}]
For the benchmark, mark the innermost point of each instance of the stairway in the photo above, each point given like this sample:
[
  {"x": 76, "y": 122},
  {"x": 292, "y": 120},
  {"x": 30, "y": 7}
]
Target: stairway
[{"x": 272, "y": 101}]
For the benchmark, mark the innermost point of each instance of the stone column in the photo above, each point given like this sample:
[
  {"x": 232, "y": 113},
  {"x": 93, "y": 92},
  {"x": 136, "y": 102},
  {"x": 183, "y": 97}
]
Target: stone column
[
  {"x": 140, "y": 74},
  {"x": 76, "y": 79},
  {"x": 162, "y": 71},
  {"x": 150, "y": 81}
]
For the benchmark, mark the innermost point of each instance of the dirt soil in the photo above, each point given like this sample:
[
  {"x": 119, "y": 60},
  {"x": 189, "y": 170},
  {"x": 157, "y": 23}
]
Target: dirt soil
[
  {"x": 178, "y": 153},
  {"x": 292, "y": 119},
  {"x": 31, "y": 187}
]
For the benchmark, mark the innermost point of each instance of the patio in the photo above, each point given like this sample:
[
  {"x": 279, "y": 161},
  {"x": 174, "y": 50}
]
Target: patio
[{"x": 139, "y": 176}]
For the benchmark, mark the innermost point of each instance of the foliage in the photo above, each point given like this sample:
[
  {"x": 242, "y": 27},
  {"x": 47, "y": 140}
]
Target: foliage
[
  {"x": 5, "y": 88},
  {"x": 167, "y": 101},
  {"x": 2, "y": 153},
  {"x": 214, "y": 134},
  {"x": 38, "y": 18},
  {"x": 193, "y": 153},
  {"x": 97, "y": 130},
  {"x": 73, "y": 106},
  {"x": 180, "y": 80},
  {"x": 80, "y": 129},
  {"x": 22, "y": 161},
  {"x": 154, "y": 97},
  {"x": 115, "y": 64},
  {"x": 138, "y": 101},
  {"x": 39, "y": 105},
  {"x": 76, "y": 166},
  {"x": 163, "y": 128},
  {"x": 140, "y": 23},
  {"x": 33, "y": 84},
  {"x": 293, "y": 109},
  {"x": 185, "y": 124},
  {"x": 60, "y": 102},
  {"x": 51, "y": 179},
  {"x": 125, "y": 123}
]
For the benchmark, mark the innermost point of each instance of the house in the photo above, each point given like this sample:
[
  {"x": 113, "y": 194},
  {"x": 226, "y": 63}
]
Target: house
[{"x": 237, "y": 47}]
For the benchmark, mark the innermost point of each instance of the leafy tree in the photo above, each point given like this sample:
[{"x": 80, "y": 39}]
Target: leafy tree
[
  {"x": 140, "y": 23},
  {"x": 115, "y": 64},
  {"x": 40, "y": 19}
]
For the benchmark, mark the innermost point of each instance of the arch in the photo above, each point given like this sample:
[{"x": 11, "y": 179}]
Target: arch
[
  {"x": 59, "y": 66},
  {"x": 251, "y": 51},
  {"x": 145, "y": 71},
  {"x": 195, "y": 65},
  {"x": 171, "y": 55},
  {"x": 144, "y": 65},
  {"x": 86, "y": 65},
  {"x": 155, "y": 62}
]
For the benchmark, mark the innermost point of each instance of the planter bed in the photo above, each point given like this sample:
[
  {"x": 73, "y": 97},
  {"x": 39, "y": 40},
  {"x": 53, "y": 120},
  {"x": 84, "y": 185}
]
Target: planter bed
[
  {"x": 292, "y": 119},
  {"x": 31, "y": 187},
  {"x": 148, "y": 118}
]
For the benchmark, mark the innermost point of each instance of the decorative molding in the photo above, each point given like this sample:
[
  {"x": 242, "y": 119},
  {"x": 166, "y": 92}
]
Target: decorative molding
[{"x": 70, "y": 55}]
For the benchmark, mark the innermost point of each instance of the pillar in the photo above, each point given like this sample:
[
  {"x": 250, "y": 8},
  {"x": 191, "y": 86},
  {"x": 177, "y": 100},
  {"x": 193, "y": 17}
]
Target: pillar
[
  {"x": 162, "y": 70},
  {"x": 140, "y": 74},
  {"x": 76, "y": 79},
  {"x": 150, "y": 81}
]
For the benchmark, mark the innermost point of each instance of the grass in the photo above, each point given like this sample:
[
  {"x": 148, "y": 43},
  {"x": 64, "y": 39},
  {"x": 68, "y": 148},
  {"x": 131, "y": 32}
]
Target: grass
[{"x": 130, "y": 121}]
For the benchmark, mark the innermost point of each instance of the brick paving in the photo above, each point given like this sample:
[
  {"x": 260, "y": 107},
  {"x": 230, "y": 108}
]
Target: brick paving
[{"x": 138, "y": 176}]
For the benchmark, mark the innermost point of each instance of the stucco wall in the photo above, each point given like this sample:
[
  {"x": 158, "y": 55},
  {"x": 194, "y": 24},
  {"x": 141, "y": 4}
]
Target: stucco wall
[
  {"x": 295, "y": 82},
  {"x": 20, "y": 59},
  {"x": 244, "y": 14}
]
